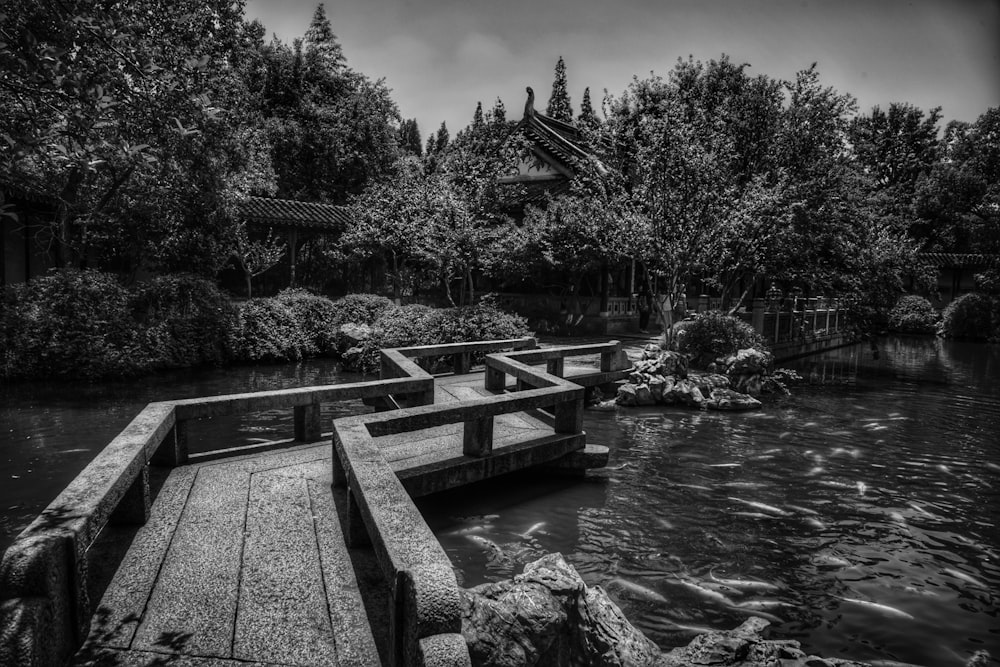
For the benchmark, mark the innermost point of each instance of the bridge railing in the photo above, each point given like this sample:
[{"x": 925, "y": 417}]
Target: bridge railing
[
  {"x": 44, "y": 602},
  {"x": 425, "y": 608}
]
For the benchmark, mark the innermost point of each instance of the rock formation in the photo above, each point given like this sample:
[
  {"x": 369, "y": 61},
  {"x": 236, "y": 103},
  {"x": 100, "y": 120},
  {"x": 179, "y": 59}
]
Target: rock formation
[{"x": 547, "y": 616}]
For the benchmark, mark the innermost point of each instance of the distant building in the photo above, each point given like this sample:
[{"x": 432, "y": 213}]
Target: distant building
[{"x": 956, "y": 273}]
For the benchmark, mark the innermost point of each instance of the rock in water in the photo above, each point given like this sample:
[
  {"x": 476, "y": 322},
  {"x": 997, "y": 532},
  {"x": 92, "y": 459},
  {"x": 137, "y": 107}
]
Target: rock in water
[
  {"x": 727, "y": 399},
  {"x": 547, "y": 616},
  {"x": 626, "y": 395}
]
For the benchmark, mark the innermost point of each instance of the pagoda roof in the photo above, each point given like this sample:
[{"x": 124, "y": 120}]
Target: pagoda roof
[
  {"x": 958, "y": 259},
  {"x": 294, "y": 214}
]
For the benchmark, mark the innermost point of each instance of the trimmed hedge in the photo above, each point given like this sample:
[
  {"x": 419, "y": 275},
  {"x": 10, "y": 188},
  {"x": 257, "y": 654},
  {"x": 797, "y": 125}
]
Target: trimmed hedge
[
  {"x": 913, "y": 314},
  {"x": 317, "y": 317},
  {"x": 87, "y": 325},
  {"x": 185, "y": 321},
  {"x": 360, "y": 308},
  {"x": 70, "y": 324},
  {"x": 714, "y": 334},
  {"x": 971, "y": 315},
  {"x": 421, "y": 325}
]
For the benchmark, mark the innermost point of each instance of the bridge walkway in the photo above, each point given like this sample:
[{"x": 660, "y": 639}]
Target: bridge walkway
[{"x": 243, "y": 561}]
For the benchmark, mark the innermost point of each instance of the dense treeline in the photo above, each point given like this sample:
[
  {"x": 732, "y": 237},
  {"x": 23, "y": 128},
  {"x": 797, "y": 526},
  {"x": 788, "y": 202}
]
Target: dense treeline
[{"x": 144, "y": 130}]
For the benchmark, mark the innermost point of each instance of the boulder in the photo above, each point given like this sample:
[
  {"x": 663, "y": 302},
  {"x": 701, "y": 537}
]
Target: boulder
[
  {"x": 351, "y": 335},
  {"x": 626, "y": 395},
  {"x": 351, "y": 360},
  {"x": 656, "y": 385},
  {"x": 727, "y": 399},
  {"x": 651, "y": 351},
  {"x": 547, "y": 616},
  {"x": 643, "y": 396},
  {"x": 707, "y": 382},
  {"x": 672, "y": 363},
  {"x": 684, "y": 392}
]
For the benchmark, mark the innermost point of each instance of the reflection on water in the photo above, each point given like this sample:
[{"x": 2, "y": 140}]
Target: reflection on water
[
  {"x": 50, "y": 431},
  {"x": 858, "y": 516}
]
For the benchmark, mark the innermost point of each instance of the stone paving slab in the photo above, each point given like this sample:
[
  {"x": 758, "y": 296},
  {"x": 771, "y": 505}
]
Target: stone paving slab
[{"x": 242, "y": 562}]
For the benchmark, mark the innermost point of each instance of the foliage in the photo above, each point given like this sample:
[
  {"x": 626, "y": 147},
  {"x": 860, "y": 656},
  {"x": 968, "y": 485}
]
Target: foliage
[
  {"x": 184, "y": 321},
  {"x": 317, "y": 317},
  {"x": 913, "y": 314},
  {"x": 70, "y": 324},
  {"x": 559, "y": 105},
  {"x": 714, "y": 334},
  {"x": 267, "y": 330},
  {"x": 587, "y": 118},
  {"x": 257, "y": 255},
  {"x": 971, "y": 315},
  {"x": 360, "y": 308},
  {"x": 116, "y": 112},
  {"x": 420, "y": 325}
]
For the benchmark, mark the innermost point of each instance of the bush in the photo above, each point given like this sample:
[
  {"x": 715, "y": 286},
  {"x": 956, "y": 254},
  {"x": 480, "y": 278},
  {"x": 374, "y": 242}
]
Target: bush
[
  {"x": 714, "y": 334},
  {"x": 267, "y": 330},
  {"x": 360, "y": 308},
  {"x": 913, "y": 314},
  {"x": 70, "y": 324},
  {"x": 317, "y": 318},
  {"x": 971, "y": 316},
  {"x": 421, "y": 325},
  {"x": 185, "y": 320}
]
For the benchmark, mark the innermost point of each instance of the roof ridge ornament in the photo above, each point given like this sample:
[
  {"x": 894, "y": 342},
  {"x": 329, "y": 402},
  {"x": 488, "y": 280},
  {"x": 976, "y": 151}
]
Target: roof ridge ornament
[{"x": 529, "y": 105}]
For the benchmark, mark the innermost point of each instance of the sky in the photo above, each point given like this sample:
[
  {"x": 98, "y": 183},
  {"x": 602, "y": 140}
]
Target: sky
[{"x": 441, "y": 57}]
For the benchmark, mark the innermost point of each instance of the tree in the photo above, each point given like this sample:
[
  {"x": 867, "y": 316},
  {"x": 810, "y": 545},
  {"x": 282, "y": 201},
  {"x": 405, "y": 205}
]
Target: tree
[
  {"x": 323, "y": 53},
  {"x": 409, "y": 138},
  {"x": 106, "y": 104},
  {"x": 255, "y": 256},
  {"x": 559, "y": 104},
  {"x": 587, "y": 118}
]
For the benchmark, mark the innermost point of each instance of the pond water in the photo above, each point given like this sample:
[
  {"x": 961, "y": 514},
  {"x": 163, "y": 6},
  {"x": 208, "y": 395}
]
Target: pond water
[{"x": 859, "y": 515}]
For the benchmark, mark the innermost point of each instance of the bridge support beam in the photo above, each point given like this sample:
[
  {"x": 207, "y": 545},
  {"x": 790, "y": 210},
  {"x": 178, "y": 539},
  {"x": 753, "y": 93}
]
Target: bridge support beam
[
  {"x": 133, "y": 508},
  {"x": 173, "y": 451}
]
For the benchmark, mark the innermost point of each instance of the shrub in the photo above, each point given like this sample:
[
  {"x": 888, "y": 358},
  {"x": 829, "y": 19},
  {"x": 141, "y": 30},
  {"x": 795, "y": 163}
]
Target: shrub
[
  {"x": 714, "y": 334},
  {"x": 267, "y": 330},
  {"x": 913, "y": 314},
  {"x": 185, "y": 320},
  {"x": 360, "y": 308},
  {"x": 317, "y": 318},
  {"x": 70, "y": 324},
  {"x": 970, "y": 316},
  {"x": 421, "y": 325}
]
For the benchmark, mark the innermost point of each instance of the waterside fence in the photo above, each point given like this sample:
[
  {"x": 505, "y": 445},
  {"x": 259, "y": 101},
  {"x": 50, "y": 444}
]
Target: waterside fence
[{"x": 45, "y": 605}]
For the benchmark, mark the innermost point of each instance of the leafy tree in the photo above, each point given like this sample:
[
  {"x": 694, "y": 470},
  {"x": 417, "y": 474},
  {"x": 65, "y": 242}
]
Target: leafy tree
[
  {"x": 255, "y": 255},
  {"x": 498, "y": 115},
  {"x": 108, "y": 104},
  {"x": 559, "y": 104},
  {"x": 958, "y": 204}
]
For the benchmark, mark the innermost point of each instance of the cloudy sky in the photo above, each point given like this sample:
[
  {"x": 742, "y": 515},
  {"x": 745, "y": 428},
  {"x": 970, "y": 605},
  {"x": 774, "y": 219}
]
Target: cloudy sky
[{"x": 442, "y": 56}]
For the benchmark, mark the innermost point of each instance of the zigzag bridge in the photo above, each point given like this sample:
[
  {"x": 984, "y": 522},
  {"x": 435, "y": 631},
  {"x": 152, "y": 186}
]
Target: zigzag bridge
[{"x": 249, "y": 555}]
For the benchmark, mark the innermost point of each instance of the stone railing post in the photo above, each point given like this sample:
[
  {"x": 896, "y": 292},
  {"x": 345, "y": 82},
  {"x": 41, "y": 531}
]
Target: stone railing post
[
  {"x": 308, "y": 426},
  {"x": 425, "y": 603},
  {"x": 495, "y": 379},
  {"x": 569, "y": 416},
  {"x": 477, "y": 437},
  {"x": 133, "y": 508},
  {"x": 173, "y": 451},
  {"x": 461, "y": 363},
  {"x": 555, "y": 366}
]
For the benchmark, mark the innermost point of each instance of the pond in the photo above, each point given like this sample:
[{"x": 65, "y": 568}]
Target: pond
[{"x": 859, "y": 514}]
